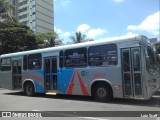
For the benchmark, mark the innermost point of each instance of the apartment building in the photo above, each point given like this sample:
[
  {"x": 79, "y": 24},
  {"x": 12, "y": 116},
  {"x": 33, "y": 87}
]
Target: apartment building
[
  {"x": 11, "y": 11},
  {"x": 37, "y": 14}
]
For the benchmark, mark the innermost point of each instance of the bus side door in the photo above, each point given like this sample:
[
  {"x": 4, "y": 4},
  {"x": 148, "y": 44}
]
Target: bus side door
[
  {"x": 131, "y": 72},
  {"x": 17, "y": 74},
  {"x": 50, "y": 73}
]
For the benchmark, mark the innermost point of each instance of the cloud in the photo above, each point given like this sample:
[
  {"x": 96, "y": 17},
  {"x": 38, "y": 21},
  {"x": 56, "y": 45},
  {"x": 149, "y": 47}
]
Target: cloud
[
  {"x": 118, "y": 0},
  {"x": 62, "y": 2},
  {"x": 92, "y": 33},
  {"x": 83, "y": 28},
  {"x": 61, "y": 33},
  {"x": 65, "y": 2},
  {"x": 66, "y": 34},
  {"x": 131, "y": 33},
  {"x": 57, "y": 30},
  {"x": 132, "y": 27},
  {"x": 151, "y": 24}
]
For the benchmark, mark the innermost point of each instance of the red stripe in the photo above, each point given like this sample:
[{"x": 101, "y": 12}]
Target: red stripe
[
  {"x": 32, "y": 77},
  {"x": 84, "y": 90},
  {"x": 70, "y": 88}
]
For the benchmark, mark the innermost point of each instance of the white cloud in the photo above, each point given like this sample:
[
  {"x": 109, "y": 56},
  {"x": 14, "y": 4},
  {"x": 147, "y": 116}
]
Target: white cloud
[
  {"x": 130, "y": 33},
  {"x": 151, "y": 24},
  {"x": 66, "y": 34},
  {"x": 59, "y": 31},
  {"x": 118, "y": 0},
  {"x": 95, "y": 33},
  {"x": 83, "y": 28},
  {"x": 92, "y": 33},
  {"x": 65, "y": 2},
  {"x": 132, "y": 27}
]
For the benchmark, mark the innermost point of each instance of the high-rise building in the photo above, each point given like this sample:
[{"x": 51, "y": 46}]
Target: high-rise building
[
  {"x": 37, "y": 14},
  {"x": 14, "y": 9},
  {"x": 11, "y": 11}
]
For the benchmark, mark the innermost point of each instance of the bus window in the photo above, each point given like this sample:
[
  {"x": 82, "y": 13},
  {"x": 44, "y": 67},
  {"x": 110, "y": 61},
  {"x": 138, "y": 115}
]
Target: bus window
[
  {"x": 76, "y": 57},
  {"x": 126, "y": 60},
  {"x": 5, "y": 64},
  {"x": 61, "y": 58},
  {"x": 102, "y": 55},
  {"x": 25, "y": 63},
  {"x": 150, "y": 57},
  {"x": 136, "y": 60},
  {"x": 34, "y": 61}
]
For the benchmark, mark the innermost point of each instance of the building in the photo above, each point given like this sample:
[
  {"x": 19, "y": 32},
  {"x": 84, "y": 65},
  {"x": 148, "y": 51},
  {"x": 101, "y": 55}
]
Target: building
[
  {"x": 13, "y": 11},
  {"x": 153, "y": 40},
  {"x": 37, "y": 14}
]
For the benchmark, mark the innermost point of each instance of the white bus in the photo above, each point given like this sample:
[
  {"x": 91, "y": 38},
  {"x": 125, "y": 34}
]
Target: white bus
[{"x": 123, "y": 67}]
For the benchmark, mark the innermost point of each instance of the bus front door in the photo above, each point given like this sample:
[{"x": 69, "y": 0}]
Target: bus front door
[
  {"x": 50, "y": 73},
  {"x": 131, "y": 72},
  {"x": 17, "y": 74}
]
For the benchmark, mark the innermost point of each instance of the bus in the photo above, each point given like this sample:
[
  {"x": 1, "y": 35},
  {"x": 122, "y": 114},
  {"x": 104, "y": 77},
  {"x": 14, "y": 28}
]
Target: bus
[{"x": 121, "y": 67}]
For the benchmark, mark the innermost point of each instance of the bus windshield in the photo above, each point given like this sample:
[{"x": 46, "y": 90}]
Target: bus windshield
[{"x": 151, "y": 60}]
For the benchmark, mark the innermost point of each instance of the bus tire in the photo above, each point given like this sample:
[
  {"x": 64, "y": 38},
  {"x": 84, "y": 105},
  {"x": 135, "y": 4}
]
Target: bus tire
[
  {"x": 102, "y": 92},
  {"x": 29, "y": 89}
]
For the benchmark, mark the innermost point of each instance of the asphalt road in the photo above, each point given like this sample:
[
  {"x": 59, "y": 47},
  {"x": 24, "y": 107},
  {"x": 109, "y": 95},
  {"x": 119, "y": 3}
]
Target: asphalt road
[{"x": 17, "y": 101}]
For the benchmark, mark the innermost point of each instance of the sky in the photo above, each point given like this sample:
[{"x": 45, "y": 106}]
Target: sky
[{"x": 101, "y": 19}]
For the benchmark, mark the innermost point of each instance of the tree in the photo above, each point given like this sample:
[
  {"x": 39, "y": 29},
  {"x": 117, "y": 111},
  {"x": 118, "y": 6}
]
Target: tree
[
  {"x": 79, "y": 37},
  {"x": 49, "y": 39},
  {"x": 16, "y": 38},
  {"x": 157, "y": 45},
  {"x": 5, "y": 7}
]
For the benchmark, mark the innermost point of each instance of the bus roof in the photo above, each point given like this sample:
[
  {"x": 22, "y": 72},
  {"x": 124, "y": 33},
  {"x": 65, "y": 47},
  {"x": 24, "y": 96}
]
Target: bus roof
[{"x": 70, "y": 46}]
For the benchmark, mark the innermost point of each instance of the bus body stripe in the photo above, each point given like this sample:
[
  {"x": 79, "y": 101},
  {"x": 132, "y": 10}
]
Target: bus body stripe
[
  {"x": 70, "y": 88},
  {"x": 84, "y": 90}
]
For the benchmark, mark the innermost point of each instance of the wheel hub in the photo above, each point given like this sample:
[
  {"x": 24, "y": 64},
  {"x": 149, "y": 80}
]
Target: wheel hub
[
  {"x": 29, "y": 89},
  {"x": 101, "y": 92}
]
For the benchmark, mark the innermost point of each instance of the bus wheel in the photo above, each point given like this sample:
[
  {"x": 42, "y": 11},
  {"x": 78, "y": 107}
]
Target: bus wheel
[
  {"x": 29, "y": 89},
  {"x": 102, "y": 92}
]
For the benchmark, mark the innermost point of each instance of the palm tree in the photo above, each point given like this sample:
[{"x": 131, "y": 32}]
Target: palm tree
[
  {"x": 5, "y": 7},
  {"x": 49, "y": 39},
  {"x": 79, "y": 37},
  {"x": 54, "y": 40}
]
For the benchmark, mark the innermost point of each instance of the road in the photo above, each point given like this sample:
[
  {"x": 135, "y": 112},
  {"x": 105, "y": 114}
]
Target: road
[{"x": 17, "y": 101}]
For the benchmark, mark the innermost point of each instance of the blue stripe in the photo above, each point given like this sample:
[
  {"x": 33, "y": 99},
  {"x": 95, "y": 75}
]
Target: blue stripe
[{"x": 64, "y": 78}]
